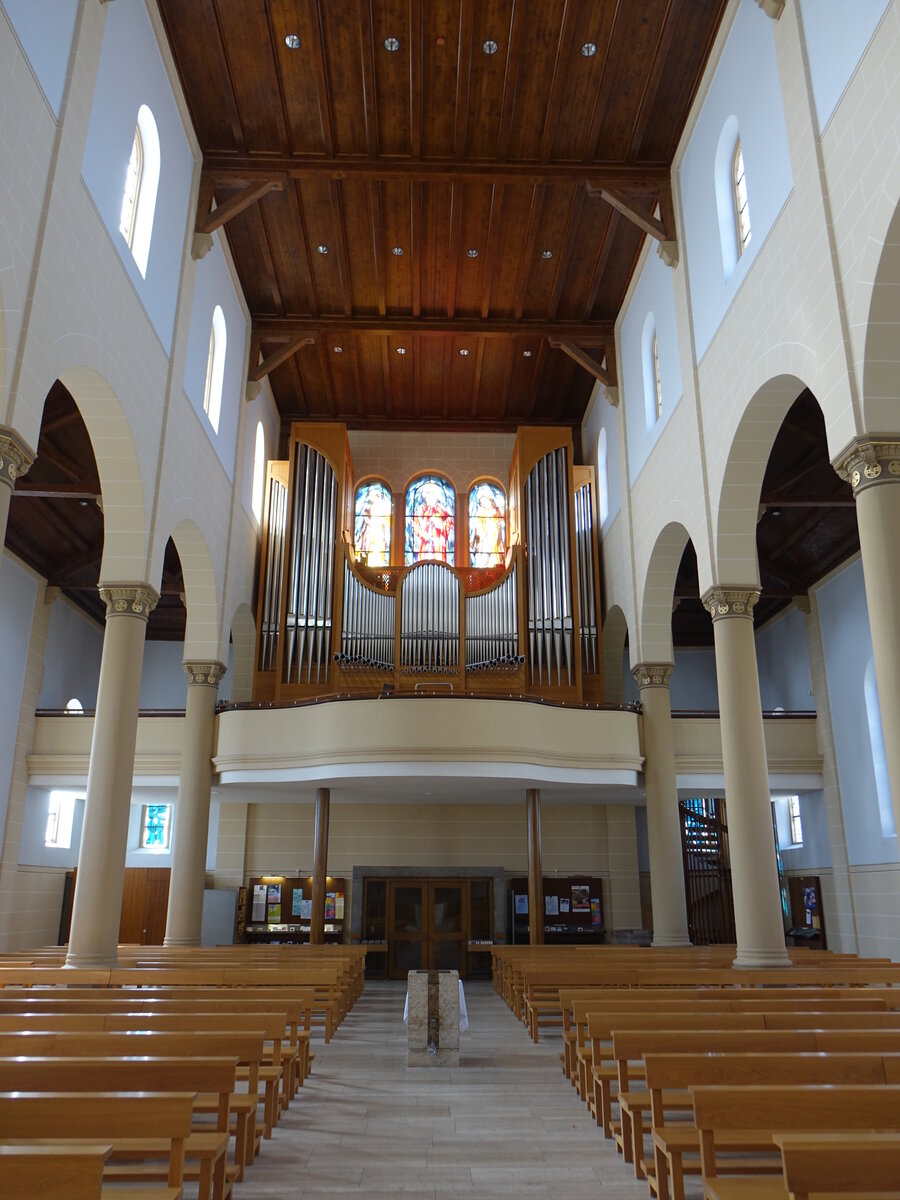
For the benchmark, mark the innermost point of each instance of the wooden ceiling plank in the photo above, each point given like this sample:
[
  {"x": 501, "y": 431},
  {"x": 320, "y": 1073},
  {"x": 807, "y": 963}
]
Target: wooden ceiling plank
[
  {"x": 585, "y": 360},
  {"x": 654, "y": 79},
  {"x": 416, "y": 246},
  {"x": 606, "y": 242},
  {"x": 584, "y": 333},
  {"x": 339, "y": 224},
  {"x": 416, "y": 51},
  {"x": 304, "y": 241},
  {"x": 275, "y": 283},
  {"x": 551, "y": 118},
  {"x": 367, "y": 53},
  {"x": 456, "y": 208},
  {"x": 537, "y": 201},
  {"x": 228, "y": 69},
  {"x": 596, "y": 122},
  {"x": 325, "y": 360},
  {"x": 476, "y": 378},
  {"x": 463, "y": 75},
  {"x": 60, "y": 461},
  {"x": 29, "y": 488},
  {"x": 376, "y": 211},
  {"x": 784, "y": 574},
  {"x": 237, "y": 203},
  {"x": 536, "y": 377},
  {"x": 447, "y": 376},
  {"x": 277, "y": 357},
  {"x": 510, "y": 84},
  {"x": 320, "y": 71},
  {"x": 492, "y": 241},
  {"x": 298, "y": 390},
  {"x": 568, "y": 250}
]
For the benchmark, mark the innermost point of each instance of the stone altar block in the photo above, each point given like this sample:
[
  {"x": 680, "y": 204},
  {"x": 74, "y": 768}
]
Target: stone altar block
[{"x": 433, "y": 1034}]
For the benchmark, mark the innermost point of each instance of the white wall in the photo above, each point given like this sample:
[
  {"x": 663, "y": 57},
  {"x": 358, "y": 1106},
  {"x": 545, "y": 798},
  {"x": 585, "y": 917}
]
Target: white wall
[
  {"x": 260, "y": 409},
  {"x": 694, "y": 679},
  {"x": 72, "y": 658},
  {"x": 837, "y": 35},
  {"x": 131, "y": 74},
  {"x": 600, "y": 414},
  {"x": 44, "y": 29},
  {"x": 814, "y": 853},
  {"x": 18, "y": 591},
  {"x": 746, "y": 85},
  {"x": 782, "y": 658}
]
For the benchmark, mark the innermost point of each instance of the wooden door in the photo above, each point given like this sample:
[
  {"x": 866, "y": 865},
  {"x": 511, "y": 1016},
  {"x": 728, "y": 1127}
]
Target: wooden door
[
  {"x": 428, "y": 924},
  {"x": 145, "y": 902},
  {"x": 406, "y": 927},
  {"x": 448, "y": 924}
]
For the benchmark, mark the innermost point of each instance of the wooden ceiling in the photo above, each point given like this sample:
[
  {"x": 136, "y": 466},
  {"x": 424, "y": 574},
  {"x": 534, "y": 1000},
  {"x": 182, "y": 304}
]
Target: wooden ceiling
[{"x": 454, "y": 184}]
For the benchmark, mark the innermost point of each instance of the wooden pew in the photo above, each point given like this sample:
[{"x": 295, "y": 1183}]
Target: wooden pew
[
  {"x": 53, "y": 1172},
  {"x": 825, "y": 1163},
  {"x": 206, "y": 1147},
  {"x": 124, "y": 1120}
]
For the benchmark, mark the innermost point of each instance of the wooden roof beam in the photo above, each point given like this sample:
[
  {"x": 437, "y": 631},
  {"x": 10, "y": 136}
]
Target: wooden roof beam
[
  {"x": 291, "y": 343},
  {"x": 661, "y": 231},
  {"x": 603, "y": 369},
  {"x": 274, "y": 328},
  {"x": 210, "y": 219}
]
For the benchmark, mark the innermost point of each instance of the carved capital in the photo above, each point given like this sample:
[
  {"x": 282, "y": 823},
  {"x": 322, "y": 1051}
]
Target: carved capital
[
  {"x": 653, "y": 675},
  {"x": 204, "y": 674},
  {"x": 729, "y": 602},
  {"x": 16, "y": 456},
  {"x": 128, "y": 599},
  {"x": 870, "y": 459}
]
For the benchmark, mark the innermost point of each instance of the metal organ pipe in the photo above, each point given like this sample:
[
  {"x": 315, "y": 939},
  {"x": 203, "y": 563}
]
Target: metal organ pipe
[
  {"x": 272, "y": 581},
  {"x": 584, "y": 539},
  {"x": 367, "y": 636},
  {"x": 492, "y": 627},
  {"x": 550, "y": 623},
  {"x": 429, "y": 633}
]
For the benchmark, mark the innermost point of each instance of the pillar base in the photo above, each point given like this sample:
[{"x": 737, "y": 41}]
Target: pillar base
[
  {"x": 751, "y": 959},
  {"x": 181, "y": 941},
  {"x": 670, "y": 940},
  {"x": 88, "y": 961}
]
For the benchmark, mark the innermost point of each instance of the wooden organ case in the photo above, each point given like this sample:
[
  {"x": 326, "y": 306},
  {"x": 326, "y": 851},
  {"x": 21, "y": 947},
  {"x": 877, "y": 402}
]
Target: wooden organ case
[{"x": 328, "y": 624}]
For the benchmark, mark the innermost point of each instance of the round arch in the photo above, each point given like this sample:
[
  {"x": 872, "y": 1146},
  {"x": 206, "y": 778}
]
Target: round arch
[
  {"x": 615, "y": 634},
  {"x": 879, "y": 390},
  {"x": 243, "y": 642},
  {"x": 201, "y": 635},
  {"x": 659, "y": 593}
]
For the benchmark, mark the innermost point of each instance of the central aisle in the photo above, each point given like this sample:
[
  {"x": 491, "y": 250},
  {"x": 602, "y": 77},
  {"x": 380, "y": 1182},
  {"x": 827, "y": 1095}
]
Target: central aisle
[{"x": 504, "y": 1123}]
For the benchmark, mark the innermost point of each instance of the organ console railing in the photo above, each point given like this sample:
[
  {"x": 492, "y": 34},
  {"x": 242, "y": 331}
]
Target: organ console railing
[{"x": 328, "y": 623}]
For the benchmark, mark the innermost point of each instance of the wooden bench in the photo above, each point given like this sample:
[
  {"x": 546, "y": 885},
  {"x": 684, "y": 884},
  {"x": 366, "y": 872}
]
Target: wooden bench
[
  {"x": 53, "y": 1172},
  {"x": 126, "y": 1121}
]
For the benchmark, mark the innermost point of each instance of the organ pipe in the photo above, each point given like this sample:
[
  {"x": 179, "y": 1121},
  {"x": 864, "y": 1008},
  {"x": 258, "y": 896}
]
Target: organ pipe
[
  {"x": 492, "y": 627},
  {"x": 550, "y": 620},
  {"x": 584, "y": 562},
  {"x": 276, "y": 514},
  {"x": 429, "y": 630}
]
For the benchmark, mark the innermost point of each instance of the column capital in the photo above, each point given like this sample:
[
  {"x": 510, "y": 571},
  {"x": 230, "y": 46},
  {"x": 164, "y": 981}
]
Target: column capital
[
  {"x": 128, "y": 599},
  {"x": 204, "y": 674},
  {"x": 653, "y": 675},
  {"x": 869, "y": 459},
  {"x": 16, "y": 456},
  {"x": 729, "y": 602}
]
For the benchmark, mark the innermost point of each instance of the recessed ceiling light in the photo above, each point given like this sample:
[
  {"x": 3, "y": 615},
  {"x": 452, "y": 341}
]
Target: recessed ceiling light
[
  {"x": 589, "y": 49},
  {"x": 338, "y": 349},
  {"x": 392, "y": 44},
  {"x": 397, "y": 250},
  {"x": 292, "y": 41},
  {"x": 321, "y": 248},
  {"x": 546, "y": 254},
  {"x": 472, "y": 252},
  {"x": 464, "y": 353},
  {"x": 401, "y": 349},
  {"x": 489, "y": 46},
  {"x": 527, "y": 353}
]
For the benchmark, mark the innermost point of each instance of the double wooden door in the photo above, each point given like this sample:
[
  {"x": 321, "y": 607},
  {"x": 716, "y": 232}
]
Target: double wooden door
[{"x": 428, "y": 925}]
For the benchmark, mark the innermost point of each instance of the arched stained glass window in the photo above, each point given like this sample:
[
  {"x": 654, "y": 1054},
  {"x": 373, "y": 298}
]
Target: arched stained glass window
[
  {"x": 741, "y": 203},
  {"x": 372, "y": 526},
  {"x": 487, "y": 525},
  {"x": 430, "y": 519},
  {"x": 141, "y": 185}
]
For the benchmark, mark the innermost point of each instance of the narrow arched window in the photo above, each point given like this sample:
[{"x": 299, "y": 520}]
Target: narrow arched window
[
  {"x": 215, "y": 368},
  {"x": 372, "y": 524},
  {"x": 657, "y": 382},
  {"x": 430, "y": 519},
  {"x": 741, "y": 204},
  {"x": 602, "y": 477},
  {"x": 651, "y": 372},
  {"x": 487, "y": 525},
  {"x": 74, "y": 707},
  {"x": 141, "y": 185},
  {"x": 259, "y": 473}
]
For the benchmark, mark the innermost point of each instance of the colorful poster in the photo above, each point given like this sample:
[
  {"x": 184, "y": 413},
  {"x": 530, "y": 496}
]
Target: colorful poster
[
  {"x": 296, "y": 902},
  {"x": 564, "y": 904},
  {"x": 596, "y": 915},
  {"x": 521, "y": 905},
  {"x": 330, "y": 906},
  {"x": 273, "y": 893},
  {"x": 581, "y": 897},
  {"x": 339, "y": 907},
  {"x": 258, "y": 909},
  {"x": 275, "y": 914},
  {"x": 551, "y": 905}
]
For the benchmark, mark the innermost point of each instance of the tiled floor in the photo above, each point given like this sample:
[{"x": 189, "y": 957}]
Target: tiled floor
[{"x": 505, "y": 1123}]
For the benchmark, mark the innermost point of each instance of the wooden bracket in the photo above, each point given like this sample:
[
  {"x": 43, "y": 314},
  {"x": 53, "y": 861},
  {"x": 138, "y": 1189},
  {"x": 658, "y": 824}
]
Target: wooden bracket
[
  {"x": 604, "y": 369},
  {"x": 661, "y": 229},
  {"x": 290, "y": 344},
  {"x": 210, "y": 219}
]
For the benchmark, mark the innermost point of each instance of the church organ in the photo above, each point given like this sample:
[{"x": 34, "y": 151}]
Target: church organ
[{"x": 329, "y": 623}]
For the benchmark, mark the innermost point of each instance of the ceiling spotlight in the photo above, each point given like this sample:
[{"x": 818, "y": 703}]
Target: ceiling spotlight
[
  {"x": 589, "y": 49},
  {"x": 546, "y": 254},
  {"x": 527, "y": 353},
  {"x": 338, "y": 349},
  {"x": 86, "y": 503},
  {"x": 401, "y": 349},
  {"x": 292, "y": 41},
  {"x": 490, "y": 46},
  {"x": 472, "y": 252},
  {"x": 397, "y": 250},
  {"x": 464, "y": 353},
  {"x": 321, "y": 248},
  {"x": 392, "y": 44}
]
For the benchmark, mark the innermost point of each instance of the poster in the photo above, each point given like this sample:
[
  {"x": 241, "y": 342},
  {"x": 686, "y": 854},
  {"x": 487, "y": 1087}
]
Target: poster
[
  {"x": 581, "y": 897},
  {"x": 339, "y": 907},
  {"x": 258, "y": 909},
  {"x": 275, "y": 914},
  {"x": 306, "y": 910},
  {"x": 564, "y": 904},
  {"x": 551, "y": 905},
  {"x": 330, "y": 906},
  {"x": 296, "y": 903},
  {"x": 273, "y": 893},
  {"x": 521, "y": 904},
  {"x": 596, "y": 915}
]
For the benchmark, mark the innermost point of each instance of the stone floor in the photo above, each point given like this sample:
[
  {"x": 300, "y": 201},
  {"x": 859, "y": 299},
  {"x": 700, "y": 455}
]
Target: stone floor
[{"x": 504, "y": 1123}]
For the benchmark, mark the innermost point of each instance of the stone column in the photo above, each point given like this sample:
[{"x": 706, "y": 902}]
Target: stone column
[
  {"x": 320, "y": 867},
  {"x": 185, "y": 912},
  {"x": 97, "y": 906},
  {"x": 751, "y": 840},
  {"x": 535, "y": 871},
  {"x": 872, "y": 466},
  {"x": 16, "y": 456},
  {"x": 670, "y": 926}
]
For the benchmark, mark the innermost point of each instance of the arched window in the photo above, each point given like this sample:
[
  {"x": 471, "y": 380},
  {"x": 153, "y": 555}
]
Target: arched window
[
  {"x": 259, "y": 472},
  {"x": 652, "y": 377},
  {"x": 372, "y": 524},
  {"x": 879, "y": 757},
  {"x": 487, "y": 525},
  {"x": 141, "y": 185},
  {"x": 74, "y": 707},
  {"x": 741, "y": 204},
  {"x": 215, "y": 368},
  {"x": 602, "y": 478},
  {"x": 430, "y": 519}
]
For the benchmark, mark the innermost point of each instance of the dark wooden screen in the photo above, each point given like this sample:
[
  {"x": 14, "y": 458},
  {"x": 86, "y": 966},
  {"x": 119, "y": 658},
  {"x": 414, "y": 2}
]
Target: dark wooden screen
[{"x": 707, "y": 870}]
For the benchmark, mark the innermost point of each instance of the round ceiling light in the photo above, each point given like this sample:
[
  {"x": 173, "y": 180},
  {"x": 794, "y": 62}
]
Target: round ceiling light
[
  {"x": 292, "y": 41},
  {"x": 527, "y": 353},
  {"x": 401, "y": 350},
  {"x": 546, "y": 254},
  {"x": 489, "y": 46},
  {"x": 321, "y": 248},
  {"x": 589, "y": 49},
  {"x": 472, "y": 252},
  {"x": 397, "y": 251},
  {"x": 338, "y": 349},
  {"x": 392, "y": 44},
  {"x": 464, "y": 353}
]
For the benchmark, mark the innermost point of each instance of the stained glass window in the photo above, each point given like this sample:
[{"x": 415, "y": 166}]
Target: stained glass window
[
  {"x": 372, "y": 527},
  {"x": 487, "y": 525},
  {"x": 430, "y": 519},
  {"x": 156, "y": 826}
]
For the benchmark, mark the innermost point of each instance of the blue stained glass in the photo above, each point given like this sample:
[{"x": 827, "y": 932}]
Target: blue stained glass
[
  {"x": 430, "y": 520},
  {"x": 372, "y": 526},
  {"x": 155, "y": 834},
  {"x": 487, "y": 525}
]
